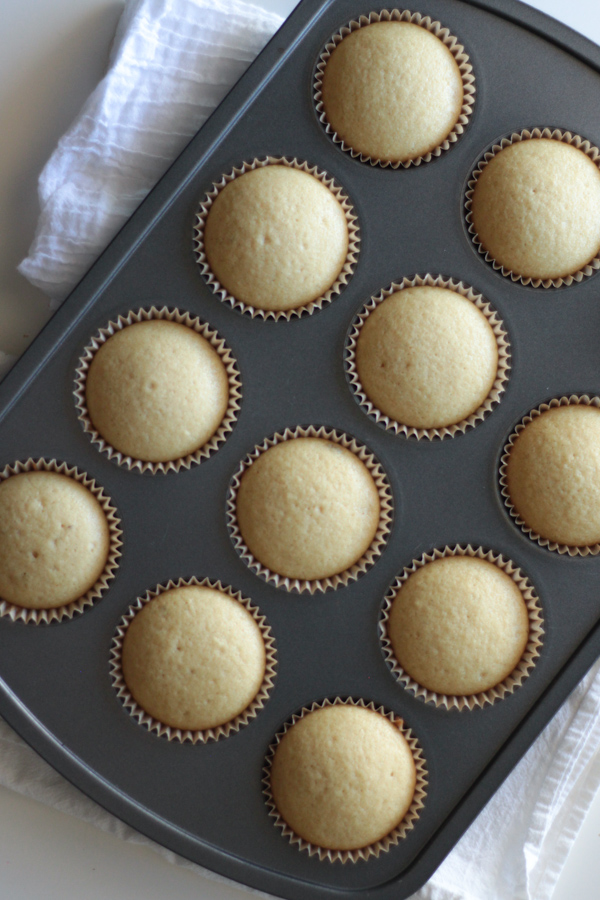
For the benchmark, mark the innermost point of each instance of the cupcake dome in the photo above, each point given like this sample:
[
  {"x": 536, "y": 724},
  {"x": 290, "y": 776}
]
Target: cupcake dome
[
  {"x": 156, "y": 390},
  {"x": 459, "y": 625},
  {"x": 193, "y": 658},
  {"x": 276, "y": 238},
  {"x": 535, "y": 209},
  {"x": 392, "y": 91},
  {"x": 553, "y": 475},
  {"x": 427, "y": 357},
  {"x": 343, "y": 777},
  {"x": 308, "y": 508},
  {"x": 54, "y": 540}
]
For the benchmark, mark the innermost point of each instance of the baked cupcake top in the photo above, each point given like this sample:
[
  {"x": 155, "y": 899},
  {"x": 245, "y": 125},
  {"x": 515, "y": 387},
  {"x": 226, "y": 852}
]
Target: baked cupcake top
[
  {"x": 156, "y": 390},
  {"x": 343, "y": 777},
  {"x": 276, "y": 238},
  {"x": 308, "y": 508},
  {"x": 392, "y": 91},
  {"x": 193, "y": 657},
  {"x": 54, "y": 540},
  {"x": 427, "y": 357},
  {"x": 536, "y": 208},
  {"x": 458, "y": 625},
  {"x": 553, "y": 475}
]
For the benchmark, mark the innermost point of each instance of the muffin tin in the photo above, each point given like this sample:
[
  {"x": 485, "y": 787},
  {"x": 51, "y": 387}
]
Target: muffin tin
[{"x": 206, "y": 801}]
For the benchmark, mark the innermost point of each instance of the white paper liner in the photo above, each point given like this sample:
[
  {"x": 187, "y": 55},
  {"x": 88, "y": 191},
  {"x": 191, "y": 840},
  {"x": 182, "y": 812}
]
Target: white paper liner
[
  {"x": 572, "y": 400},
  {"x": 68, "y": 610},
  {"x": 448, "y": 39},
  {"x": 338, "y": 284},
  {"x": 226, "y": 357},
  {"x": 180, "y": 734},
  {"x": 566, "y": 137},
  {"x": 385, "y": 515},
  {"x": 519, "y": 673},
  {"x": 391, "y": 839},
  {"x": 496, "y": 391}
]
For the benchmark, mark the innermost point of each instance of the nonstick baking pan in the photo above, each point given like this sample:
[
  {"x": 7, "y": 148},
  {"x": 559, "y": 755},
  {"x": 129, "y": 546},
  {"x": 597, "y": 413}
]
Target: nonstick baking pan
[{"x": 205, "y": 801}]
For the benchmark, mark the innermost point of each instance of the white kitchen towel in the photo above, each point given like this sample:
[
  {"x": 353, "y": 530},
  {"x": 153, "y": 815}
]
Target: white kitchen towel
[{"x": 172, "y": 61}]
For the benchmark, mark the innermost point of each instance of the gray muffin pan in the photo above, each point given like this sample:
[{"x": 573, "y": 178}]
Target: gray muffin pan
[{"x": 205, "y": 801}]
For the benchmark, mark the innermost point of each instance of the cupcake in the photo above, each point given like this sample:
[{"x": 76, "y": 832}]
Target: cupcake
[
  {"x": 194, "y": 661},
  {"x": 391, "y": 90},
  {"x": 308, "y": 511},
  {"x": 55, "y": 538},
  {"x": 427, "y": 356},
  {"x": 534, "y": 208},
  {"x": 154, "y": 389},
  {"x": 551, "y": 475},
  {"x": 275, "y": 238},
  {"x": 342, "y": 781},
  {"x": 461, "y": 624}
]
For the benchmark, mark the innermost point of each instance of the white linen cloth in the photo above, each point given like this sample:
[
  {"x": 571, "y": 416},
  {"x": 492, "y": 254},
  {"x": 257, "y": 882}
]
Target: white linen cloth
[{"x": 171, "y": 63}]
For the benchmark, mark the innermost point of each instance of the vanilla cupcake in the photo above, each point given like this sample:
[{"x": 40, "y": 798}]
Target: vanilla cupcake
[
  {"x": 551, "y": 473},
  {"x": 276, "y": 238},
  {"x": 193, "y": 658},
  {"x": 427, "y": 357},
  {"x": 392, "y": 91},
  {"x": 343, "y": 779},
  {"x": 534, "y": 208},
  {"x": 459, "y": 625},
  {"x": 308, "y": 509},
  {"x": 155, "y": 391},
  {"x": 55, "y": 540}
]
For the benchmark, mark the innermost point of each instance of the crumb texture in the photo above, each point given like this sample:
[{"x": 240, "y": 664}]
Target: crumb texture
[
  {"x": 193, "y": 658},
  {"x": 458, "y": 625},
  {"x": 343, "y": 777},
  {"x": 427, "y": 357},
  {"x": 392, "y": 91},
  {"x": 157, "y": 390},
  {"x": 536, "y": 208},
  {"x": 54, "y": 540},
  {"x": 308, "y": 508},
  {"x": 553, "y": 475},
  {"x": 276, "y": 238}
]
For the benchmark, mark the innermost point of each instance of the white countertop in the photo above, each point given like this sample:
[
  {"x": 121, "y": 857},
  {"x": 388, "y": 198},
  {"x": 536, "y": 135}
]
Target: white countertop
[{"x": 52, "y": 53}]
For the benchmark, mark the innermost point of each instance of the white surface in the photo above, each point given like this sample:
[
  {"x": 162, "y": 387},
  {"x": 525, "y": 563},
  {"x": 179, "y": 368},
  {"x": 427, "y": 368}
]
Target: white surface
[{"x": 53, "y": 52}]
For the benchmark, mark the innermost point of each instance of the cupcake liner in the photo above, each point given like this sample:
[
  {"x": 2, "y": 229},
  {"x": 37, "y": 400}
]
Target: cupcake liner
[
  {"x": 180, "y": 734},
  {"x": 497, "y": 389},
  {"x": 59, "y": 613},
  {"x": 436, "y": 28},
  {"x": 226, "y": 356},
  {"x": 519, "y": 673},
  {"x": 339, "y": 283},
  {"x": 572, "y": 400},
  {"x": 365, "y": 562},
  {"x": 556, "y": 135},
  {"x": 391, "y": 839}
]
